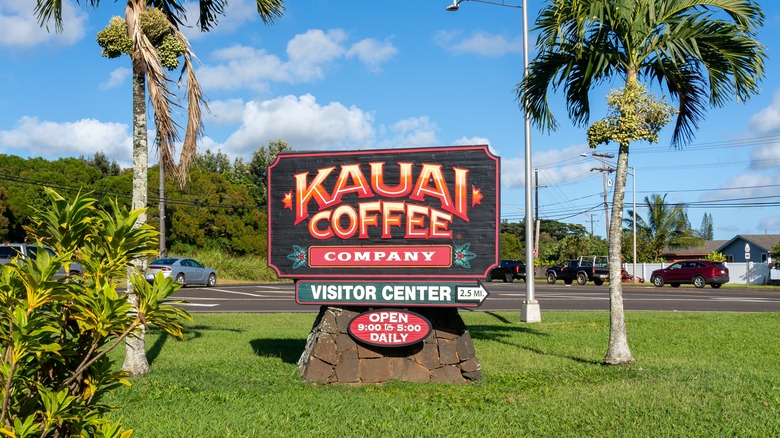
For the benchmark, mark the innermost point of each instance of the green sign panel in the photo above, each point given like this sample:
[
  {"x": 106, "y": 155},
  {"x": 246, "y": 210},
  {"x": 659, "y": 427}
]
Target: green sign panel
[{"x": 412, "y": 293}]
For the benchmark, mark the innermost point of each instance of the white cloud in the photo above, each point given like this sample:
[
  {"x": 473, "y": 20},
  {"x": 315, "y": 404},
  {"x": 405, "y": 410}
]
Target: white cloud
[
  {"x": 769, "y": 224},
  {"x": 479, "y": 42},
  {"x": 411, "y": 132},
  {"x": 766, "y": 156},
  {"x": 225, "y": 112},
  {"x": 466, "y": 141},
  {"x": 309, "y": 55},
  {"x": 310, "y": 52},
  {"x": 116, "y": 78},
  {"x": 20, "y": 27},
  {"x": 31, "y": 137},
  {"x": 767, "y": 121},
  {"x": 747, "y": 185},
  {"x": 242, "y": 67},
  {"x": 303, "y": 124},
  {"x": 372, "y": 53},
  {"x": 761, "y": 188},
  {"x": 559, "y": 165}
]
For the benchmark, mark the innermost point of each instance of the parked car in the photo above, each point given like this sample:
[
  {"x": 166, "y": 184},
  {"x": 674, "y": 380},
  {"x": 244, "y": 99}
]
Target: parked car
[
  {"x": 696, "y": 272},
  {"x": 581, "y": 270},
  {"x": 508, "y": 270},
  {"x": 9, "y": 251},
  {"x": 183, "y": 270}
]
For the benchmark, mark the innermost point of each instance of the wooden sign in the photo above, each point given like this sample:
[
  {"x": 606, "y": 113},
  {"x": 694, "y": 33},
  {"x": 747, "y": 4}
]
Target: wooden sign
[{"x": 388, "y": 214}]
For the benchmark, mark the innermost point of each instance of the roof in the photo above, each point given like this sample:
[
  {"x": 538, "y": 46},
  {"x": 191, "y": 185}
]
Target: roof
[
  {"x": 766, "y": 241},
  {"x": 709, "y": 247}
]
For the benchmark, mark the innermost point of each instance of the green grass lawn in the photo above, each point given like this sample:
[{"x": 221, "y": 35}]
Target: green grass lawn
[{"x": 696, "y": 374}]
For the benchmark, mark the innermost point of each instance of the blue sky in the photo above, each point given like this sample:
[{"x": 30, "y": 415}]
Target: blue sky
[{"x": 356, "y": 74}]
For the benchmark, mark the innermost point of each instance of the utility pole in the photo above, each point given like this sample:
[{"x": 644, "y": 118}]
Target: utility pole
[
  {"x": 604, "y": 171},
  {"x": 592, "y": 220},
  {"x": 536, "y": 213}
]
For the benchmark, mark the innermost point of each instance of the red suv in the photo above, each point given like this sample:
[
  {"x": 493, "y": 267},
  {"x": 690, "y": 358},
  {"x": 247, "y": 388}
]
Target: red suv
[{"x": 696, "y": 272}]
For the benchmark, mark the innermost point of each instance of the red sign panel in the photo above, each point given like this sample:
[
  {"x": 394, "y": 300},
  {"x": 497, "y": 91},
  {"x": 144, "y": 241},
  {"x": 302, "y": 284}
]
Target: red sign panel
[
  {"x": 385, "y": 256},
  {"x": 400, "y": 213},
  {"x": 389, "y": 328}
]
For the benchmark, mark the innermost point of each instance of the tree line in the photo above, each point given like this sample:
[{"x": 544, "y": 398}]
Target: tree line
[{"x": 223, "y": 205}]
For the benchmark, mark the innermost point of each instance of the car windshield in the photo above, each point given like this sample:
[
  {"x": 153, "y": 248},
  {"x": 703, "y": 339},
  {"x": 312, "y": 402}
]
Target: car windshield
[
  {"x": 164, "y": 262},
  {"x": 719, "y": 265}
]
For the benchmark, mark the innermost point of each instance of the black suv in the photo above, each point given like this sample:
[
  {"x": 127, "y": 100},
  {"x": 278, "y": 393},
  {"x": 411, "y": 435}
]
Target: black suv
[{"x": 508, "y": 270}]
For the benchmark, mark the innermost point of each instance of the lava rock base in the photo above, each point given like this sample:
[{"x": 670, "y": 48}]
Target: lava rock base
[{"x": 333, "y": 356}]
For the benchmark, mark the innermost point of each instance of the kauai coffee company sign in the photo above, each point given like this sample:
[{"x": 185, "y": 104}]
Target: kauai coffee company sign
[{"x": 384, "y": 214}]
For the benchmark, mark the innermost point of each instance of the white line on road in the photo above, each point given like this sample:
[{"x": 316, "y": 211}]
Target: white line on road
[
  {"x": 237, "y": 293},
  {"x": 196, "y": 305}
]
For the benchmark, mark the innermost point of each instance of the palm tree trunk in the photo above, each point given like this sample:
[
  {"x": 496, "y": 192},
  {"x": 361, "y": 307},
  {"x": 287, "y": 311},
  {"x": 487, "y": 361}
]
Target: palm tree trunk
[
  {"x": 618, "y": 352},
  {"x": 135, "y": 348}
]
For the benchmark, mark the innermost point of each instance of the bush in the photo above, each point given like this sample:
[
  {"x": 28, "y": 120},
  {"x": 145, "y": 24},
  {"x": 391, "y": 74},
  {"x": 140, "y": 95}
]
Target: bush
[{"x": 55, "y": 335}]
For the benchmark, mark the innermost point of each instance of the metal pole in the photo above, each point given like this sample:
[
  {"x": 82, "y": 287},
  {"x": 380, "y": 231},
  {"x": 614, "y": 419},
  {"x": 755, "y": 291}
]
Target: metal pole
[
  {"x": 530, "y": 311},
  {"x": 606, "y": 202}
]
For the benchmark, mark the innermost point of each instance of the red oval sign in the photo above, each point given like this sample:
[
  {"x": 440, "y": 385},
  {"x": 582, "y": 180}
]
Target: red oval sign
[{"x": 389, "y": 327}]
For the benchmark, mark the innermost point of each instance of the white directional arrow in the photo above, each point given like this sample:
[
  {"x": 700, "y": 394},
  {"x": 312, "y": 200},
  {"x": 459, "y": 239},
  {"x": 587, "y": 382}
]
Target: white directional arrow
[{"x": 476, "y": 293}]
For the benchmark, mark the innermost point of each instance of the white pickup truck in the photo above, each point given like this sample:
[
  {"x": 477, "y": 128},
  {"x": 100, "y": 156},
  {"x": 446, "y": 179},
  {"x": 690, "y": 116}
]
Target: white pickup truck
[{"x": 9, "y": 251}]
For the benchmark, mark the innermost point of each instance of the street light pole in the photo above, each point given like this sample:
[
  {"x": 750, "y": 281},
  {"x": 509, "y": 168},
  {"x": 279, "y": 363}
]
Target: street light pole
[{"x": 530, "y": 311}]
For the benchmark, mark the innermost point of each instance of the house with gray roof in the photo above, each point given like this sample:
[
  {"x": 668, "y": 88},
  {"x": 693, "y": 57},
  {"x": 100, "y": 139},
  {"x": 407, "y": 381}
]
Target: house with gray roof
[
  {"x": 759, "y": 245},
  {"x": 733, "y": 249}
]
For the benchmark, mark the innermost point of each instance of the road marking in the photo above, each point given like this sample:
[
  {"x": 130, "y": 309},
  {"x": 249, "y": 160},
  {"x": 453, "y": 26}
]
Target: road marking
[
  {"x": 237, "y": 293},
  {"x": 751, "y": 300},
  {"x": 288, "y": 292},
  {"x": 195, "y": 305}
]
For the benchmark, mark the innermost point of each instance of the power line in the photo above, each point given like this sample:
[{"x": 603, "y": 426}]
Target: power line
[{"x": 151, "y": 197}]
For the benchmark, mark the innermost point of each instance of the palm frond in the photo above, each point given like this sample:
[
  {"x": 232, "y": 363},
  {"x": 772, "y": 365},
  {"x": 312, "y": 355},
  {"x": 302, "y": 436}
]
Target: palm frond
[{"x": 194, "y": 116}]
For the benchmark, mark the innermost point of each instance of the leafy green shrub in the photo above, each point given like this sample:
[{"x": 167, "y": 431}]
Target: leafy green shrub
[
  {"x": 55, "y": 335},
  {"x": 715, "y": 257}
]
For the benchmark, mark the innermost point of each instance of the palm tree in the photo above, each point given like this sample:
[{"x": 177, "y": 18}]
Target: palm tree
[
  {"x": 148, "y": 73},
  {"x": 703, "y": 51},
  {"x": 666, "y": 225}
]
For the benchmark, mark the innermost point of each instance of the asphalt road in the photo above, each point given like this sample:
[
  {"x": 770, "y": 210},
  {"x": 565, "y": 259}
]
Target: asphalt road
[{"x": 280, "y": 297}]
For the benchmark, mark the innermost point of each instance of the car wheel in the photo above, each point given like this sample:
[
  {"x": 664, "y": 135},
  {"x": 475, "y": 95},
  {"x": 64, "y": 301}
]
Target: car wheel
[
  {"x": 699, "y": 282},
  {"x": 551, "y": 278},
  {"x": 180, "y": 279},
  {"x": 212, "y": 280},
  {"x": 716, "y": 285},
  {"x": 658, "y": 281},
  {"x": 509, "y": 277},
  {"x": 598, "y": 282},
  {"x": 525, "y": 280},
  {"x": 582, "y": 278}
]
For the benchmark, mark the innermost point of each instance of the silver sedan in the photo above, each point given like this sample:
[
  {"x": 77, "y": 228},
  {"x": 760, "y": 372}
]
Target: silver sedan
[{"x": 183, "y": 270}]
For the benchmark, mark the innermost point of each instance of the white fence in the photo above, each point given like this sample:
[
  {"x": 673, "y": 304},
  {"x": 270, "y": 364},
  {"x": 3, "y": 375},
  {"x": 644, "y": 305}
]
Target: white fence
[{"x": 760, "y": 273}]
